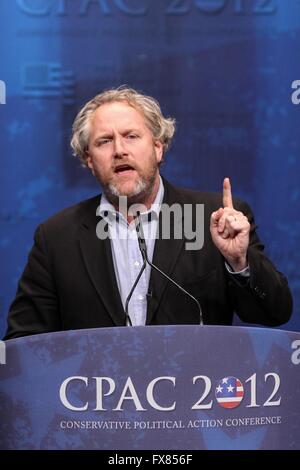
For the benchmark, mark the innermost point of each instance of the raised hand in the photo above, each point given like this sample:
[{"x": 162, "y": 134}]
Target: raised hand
[{"x": 230, "y": 231}]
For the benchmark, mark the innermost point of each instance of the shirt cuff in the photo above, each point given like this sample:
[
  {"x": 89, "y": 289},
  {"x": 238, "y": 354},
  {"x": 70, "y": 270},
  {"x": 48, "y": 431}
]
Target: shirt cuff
[{"x": 244, "y": 273}]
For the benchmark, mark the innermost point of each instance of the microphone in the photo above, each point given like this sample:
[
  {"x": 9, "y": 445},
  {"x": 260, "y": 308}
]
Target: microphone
[
  {"x": 128, "y": 321},
  {"x": 143, "y": 249}
]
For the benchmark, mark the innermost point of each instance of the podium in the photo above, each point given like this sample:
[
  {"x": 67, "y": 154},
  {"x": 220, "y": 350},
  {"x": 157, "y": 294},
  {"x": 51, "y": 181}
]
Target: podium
[{"x": 154, "y": 387}]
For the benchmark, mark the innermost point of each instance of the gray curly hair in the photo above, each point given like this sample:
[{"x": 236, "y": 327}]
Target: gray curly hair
[{"x": 161, "y": 128}]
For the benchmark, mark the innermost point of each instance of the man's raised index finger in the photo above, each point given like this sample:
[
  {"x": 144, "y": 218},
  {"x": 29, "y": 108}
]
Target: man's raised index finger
[{"x": 227, "y": 197}]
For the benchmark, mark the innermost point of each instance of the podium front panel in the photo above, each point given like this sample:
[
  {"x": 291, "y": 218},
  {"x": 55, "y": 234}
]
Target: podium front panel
[{"x": 154, "y": 387}]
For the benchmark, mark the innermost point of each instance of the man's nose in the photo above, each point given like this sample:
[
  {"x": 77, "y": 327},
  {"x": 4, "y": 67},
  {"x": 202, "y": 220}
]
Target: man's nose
[{"x": 119, "y": 147}]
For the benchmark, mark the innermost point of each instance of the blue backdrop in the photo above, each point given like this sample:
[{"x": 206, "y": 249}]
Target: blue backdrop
[{"x": 223, "y": 68}]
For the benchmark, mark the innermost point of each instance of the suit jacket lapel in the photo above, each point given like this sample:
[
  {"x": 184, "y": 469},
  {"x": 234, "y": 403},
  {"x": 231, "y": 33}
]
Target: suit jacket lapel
[
  {"x": 99, "y": 264},
  {"x": 165, "y": 256}
]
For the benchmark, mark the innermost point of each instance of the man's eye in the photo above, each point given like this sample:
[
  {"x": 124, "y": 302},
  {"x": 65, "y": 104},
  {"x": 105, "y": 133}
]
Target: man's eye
[
  {"x": 132, "y": 136},
  {"x": 103, "y": 142}
]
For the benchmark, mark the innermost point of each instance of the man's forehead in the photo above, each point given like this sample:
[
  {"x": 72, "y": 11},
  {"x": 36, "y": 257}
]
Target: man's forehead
[
  {"x": 117, "y": 114},
  {"x": 119, "y": 109}
]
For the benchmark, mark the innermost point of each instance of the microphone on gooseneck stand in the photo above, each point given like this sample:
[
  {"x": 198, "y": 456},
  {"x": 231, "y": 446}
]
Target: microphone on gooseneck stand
[
  {"x": 128, "y": 321},
  {"x": 143, "y": 249}
]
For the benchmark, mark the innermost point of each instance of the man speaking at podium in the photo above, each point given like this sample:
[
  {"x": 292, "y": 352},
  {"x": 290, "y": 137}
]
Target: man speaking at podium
[{"x": 83, "y": 269}]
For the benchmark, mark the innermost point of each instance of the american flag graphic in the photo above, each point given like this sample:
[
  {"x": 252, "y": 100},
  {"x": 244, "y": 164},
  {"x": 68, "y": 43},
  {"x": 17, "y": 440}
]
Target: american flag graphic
[{"x": 229, "y": 392}]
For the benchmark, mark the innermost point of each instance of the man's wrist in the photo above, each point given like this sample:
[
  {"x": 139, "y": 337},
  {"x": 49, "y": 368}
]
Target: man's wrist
[{"x": 238, "y": 265}]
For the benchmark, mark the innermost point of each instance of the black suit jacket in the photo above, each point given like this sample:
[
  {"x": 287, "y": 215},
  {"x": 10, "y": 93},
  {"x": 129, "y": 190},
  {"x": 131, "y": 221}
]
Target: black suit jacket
[{"x": 69, "y": 281}]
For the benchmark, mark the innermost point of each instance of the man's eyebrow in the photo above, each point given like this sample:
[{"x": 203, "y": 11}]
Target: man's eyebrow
[
  {"x": 124, "y": 131},
  {"x": 103, "y": 135},
  {"x": 131, "y": 129},
  {"x": 110, "y": 134}
]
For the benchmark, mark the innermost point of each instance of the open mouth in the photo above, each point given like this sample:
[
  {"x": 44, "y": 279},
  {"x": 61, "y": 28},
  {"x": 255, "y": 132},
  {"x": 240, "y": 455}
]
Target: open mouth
[{"x": 123, "y": 169}]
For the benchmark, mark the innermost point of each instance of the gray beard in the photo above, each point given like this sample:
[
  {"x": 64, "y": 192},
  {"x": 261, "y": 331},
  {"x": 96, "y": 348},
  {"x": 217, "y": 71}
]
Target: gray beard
[{"x": 141, "y": 192}]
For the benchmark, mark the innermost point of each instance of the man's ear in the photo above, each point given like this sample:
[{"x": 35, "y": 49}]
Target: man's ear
[
  {"x": 89, "y": 162},
  {"x": 159, "y": 150}
]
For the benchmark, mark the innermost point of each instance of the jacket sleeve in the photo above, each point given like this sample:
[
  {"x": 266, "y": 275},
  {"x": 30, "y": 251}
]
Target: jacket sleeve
[
  {"x": 264, "y": 298},
  {"x": 35, "y": 308}
]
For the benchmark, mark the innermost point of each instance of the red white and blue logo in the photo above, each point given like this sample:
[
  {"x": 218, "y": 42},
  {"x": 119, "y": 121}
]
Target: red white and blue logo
[{"x": 229, "y": 392}]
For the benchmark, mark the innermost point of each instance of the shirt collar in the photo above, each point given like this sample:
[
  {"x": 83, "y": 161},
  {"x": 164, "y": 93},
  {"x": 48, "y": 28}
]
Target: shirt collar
[{"x": 108, "y": 212}]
